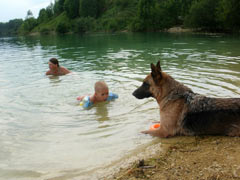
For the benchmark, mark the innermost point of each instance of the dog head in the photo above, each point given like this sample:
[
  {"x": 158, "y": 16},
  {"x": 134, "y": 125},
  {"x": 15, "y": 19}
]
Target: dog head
[{"x": 151, "y": 82}]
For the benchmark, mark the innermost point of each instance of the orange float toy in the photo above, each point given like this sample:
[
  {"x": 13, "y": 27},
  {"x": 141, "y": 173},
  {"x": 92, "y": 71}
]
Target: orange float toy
[{"x": 155, "y": 126}]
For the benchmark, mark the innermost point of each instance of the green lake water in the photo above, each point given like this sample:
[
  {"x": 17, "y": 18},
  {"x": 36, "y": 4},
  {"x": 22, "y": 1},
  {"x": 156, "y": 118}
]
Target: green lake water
[{"x": 45, "y": 134}]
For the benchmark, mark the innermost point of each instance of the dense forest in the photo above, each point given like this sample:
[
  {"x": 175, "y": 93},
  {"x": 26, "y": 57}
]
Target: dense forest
[{"x": 79, "y": 16}]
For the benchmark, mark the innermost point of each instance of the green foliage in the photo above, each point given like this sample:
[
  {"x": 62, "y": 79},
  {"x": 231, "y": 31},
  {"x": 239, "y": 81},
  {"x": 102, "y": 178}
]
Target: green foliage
[
  {"x": 135, "y": 15},
  {"x": 91, "y": 8},
  {"x": 88, "y": 8},
  {"x": 3, "y": 29},
  {"x": 51, "y": 24},
  {"x": 173, "y": 11},
  {"x": 156, "y": 15},
  {"x": 13, "y": 25},
  {"x": 202, "y": 15},
  {"x": 82, "y": 25},
  {"x": 28, "y": 25},
  {"x": 228, "y": 14},
  {"x": 184, "y": 6},
  {"x": 62, "y": 27},
  {"x": 72, "y": 8},
  {"x": 29, "y": 14},
  {"x": 46, "y": 14},
  {"x": 50, "y": 10},
  {"x": 167, "y": 14},
  {"x": 144, "y": 20},
  {"x": 137, "y": 25},
  {"x": 42, "y": 16},
  {"x": 118, "y": 18},
  {"x": 146, "y": 10},
  {"x": 114, "y": 24},
  {"x": 163, "y": 18},
  {"x": 101, "y": 7},
  {"x": 10, "y": 27},
  {"x": 122, "y": 4},
  {"x": 44, "y": 30},
  {"x": 58, "y": 7}
]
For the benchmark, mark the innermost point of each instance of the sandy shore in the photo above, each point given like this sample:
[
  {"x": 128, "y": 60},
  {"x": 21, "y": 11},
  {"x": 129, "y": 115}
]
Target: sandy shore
[{"x": 183, "y": 158}]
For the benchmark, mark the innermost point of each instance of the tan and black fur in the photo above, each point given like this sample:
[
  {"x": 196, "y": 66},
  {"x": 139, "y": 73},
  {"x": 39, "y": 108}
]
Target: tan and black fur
[{"x": 183, "y": 112}]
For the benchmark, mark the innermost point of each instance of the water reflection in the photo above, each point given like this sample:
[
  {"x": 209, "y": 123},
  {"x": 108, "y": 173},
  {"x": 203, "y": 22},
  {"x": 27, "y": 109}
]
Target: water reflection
[
  {"x": 102, "y": 111},
  {"x": 54, "y": 79}
]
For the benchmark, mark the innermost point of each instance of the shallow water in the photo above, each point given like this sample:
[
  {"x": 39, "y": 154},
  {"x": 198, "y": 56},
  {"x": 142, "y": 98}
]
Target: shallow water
[{"x": 45, "y": 134}]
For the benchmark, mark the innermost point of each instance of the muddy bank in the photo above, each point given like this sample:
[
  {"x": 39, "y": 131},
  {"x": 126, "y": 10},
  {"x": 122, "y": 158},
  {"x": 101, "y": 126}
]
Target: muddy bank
[{"x": 209, "y": 158}]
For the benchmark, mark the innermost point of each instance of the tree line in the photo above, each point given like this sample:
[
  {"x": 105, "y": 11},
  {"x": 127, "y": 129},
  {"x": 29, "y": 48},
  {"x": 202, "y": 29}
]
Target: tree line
[{"x": 78, "y": 16}]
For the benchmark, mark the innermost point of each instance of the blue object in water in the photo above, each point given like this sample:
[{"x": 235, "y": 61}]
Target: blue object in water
[{"x": 86, "y": 103}]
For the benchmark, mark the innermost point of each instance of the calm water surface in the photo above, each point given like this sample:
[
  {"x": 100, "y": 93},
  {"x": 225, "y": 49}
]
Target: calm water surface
[{"x": 45, "y": 134}]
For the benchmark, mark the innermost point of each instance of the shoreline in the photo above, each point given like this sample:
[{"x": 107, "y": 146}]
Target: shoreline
[
  {"x": 200, "y": 157},
  {"x": 176, "y": 29}
]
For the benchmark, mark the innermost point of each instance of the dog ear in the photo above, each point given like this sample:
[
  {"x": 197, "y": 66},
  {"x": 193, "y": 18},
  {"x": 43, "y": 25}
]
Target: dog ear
[
  {"x": 159, "y": 66},
  {"x": 156, "y": 72}
]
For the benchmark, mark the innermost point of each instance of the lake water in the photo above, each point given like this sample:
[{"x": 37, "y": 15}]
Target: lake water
[{"x": 45, "y": 134}]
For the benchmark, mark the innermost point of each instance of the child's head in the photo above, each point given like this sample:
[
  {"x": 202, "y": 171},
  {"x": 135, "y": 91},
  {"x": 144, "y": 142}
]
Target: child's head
[{"x": 101, "y": 91}]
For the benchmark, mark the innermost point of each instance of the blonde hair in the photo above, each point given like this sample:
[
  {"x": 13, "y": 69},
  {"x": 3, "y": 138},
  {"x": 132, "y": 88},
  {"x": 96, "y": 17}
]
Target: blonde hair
[{"x": 100, "y": 85}]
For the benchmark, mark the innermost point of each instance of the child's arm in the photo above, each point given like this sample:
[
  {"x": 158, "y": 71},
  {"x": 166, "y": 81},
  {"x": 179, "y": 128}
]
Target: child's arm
[
  {"x": 112, "y": 96},
  {"x": 80, "y": 98},
  {"x": 85, "y": 101}
]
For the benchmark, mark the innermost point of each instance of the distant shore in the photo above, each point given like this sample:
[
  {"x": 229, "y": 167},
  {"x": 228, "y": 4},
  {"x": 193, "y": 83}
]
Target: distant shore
[{"x": 179, "y": 30}]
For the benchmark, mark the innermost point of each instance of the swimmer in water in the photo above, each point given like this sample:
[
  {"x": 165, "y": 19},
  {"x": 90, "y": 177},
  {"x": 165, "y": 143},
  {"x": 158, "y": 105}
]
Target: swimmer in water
[{"x": 55, "y": 69}]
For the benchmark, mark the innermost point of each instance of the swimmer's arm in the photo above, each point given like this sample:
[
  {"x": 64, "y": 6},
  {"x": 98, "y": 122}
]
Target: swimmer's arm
[
  {"x": 48, "y": 73},
  {"x": 65, "y": 70}
]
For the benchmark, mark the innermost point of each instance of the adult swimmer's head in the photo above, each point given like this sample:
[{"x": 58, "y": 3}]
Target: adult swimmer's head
[{"x": 54, "y": 61}]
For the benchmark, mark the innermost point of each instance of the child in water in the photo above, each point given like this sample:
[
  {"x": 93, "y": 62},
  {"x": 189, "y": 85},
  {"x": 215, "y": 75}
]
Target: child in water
[{"x": 101, "y": 94}]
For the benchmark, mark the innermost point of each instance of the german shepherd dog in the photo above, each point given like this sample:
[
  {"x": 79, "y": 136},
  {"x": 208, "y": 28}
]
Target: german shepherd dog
[{"x": 183, "y": 112}]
